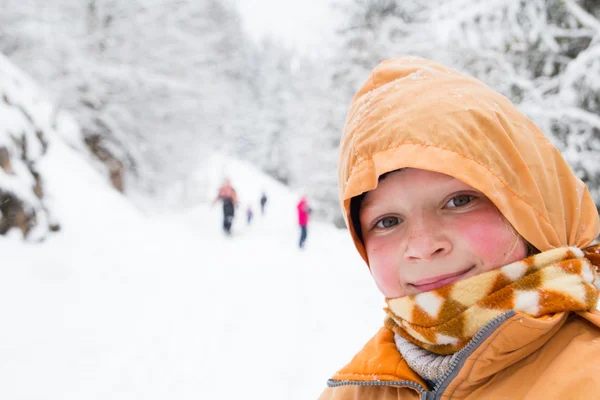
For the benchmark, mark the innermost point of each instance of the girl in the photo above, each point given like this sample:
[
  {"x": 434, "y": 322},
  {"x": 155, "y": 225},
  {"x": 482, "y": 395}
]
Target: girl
[{"x": 477, "y": 233}]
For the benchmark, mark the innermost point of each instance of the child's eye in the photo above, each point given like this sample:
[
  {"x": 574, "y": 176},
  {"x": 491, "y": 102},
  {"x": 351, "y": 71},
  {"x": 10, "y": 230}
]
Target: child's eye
[
  {"x": 459, "y": 201},
  {"x": 387, "y": 222}
]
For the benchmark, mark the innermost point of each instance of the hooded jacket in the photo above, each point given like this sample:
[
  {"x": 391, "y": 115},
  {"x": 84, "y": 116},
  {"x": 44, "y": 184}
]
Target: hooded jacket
[
  {"x": 416, "y": 113},
  {"x": 303, "y": 212}
]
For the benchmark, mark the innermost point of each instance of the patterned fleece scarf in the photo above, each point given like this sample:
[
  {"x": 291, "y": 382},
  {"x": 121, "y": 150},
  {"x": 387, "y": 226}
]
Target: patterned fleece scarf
[{"x": 444, "y": 320}]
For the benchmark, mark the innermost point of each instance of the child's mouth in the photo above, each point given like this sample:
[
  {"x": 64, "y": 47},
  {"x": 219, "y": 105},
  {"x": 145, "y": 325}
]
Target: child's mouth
[{"x": 429, "y": 284}]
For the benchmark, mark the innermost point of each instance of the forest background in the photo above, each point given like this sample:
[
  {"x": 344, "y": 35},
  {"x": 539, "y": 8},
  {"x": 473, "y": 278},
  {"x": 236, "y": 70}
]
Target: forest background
[{"x": 157, "y": 87}]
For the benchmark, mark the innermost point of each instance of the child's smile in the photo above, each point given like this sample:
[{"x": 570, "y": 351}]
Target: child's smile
[
  {"x": 425, "y": 285},
  {"x": 423, "y": 230}
]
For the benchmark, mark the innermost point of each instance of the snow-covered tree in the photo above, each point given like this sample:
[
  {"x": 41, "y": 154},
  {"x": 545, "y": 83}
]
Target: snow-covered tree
[
  {"x": 159, "y": 85},
  {"x": 155, "y": 85},
  {"x": 543, "y": 54}
]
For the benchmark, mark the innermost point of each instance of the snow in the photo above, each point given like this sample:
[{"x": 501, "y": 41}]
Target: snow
[
  {"x": 124, "y": 304},
  {"x": 583, "y": 16},
  {"x": 30, "y": 125},
  {"x": 134, "y": 302}
]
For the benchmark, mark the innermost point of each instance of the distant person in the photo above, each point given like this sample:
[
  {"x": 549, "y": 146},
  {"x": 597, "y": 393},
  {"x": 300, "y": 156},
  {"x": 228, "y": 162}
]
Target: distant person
[
  {"x": 303, "y": 213},
  {"x": 249, "y": 214},
  {"x": 228, "y": 196},
  {"x": 263, "y": 202}
]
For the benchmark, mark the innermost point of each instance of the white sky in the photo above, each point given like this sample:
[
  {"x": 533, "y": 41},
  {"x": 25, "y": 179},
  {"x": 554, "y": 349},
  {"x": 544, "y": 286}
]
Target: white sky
[{"x": 303, "y": 24}]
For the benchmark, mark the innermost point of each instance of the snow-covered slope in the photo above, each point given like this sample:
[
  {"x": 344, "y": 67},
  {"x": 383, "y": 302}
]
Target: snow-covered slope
[
  {"x": 118, "y": 305},
  {"x": 32, "y": 130}
]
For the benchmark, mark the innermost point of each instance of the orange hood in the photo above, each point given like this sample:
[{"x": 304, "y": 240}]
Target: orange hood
[{"x": 416, "y": 113}]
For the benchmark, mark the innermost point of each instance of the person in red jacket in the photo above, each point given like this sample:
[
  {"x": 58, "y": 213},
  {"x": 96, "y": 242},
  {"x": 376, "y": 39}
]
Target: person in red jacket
[
  {"x": 303, "y": 213},
  {"x": 228, "y": 196}
]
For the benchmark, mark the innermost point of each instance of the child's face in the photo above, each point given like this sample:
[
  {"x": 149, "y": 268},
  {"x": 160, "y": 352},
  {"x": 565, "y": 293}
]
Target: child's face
[{"x": 423, "y": 230}]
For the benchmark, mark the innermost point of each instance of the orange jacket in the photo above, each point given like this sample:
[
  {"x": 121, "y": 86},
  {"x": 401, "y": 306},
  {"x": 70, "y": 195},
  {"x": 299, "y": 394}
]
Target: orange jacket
[
  {"x": 416, "y": 113},
  {"x": 554, "y": 357}
]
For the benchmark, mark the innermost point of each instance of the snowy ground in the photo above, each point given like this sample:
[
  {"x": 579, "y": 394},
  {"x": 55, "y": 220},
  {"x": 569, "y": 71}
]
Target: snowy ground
[{"x": 129, "y": 305}]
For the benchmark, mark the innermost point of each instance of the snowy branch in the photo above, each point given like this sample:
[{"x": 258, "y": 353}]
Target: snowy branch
[
  {"x": 585, "y": 18},
  {"x": 558, "y": 32},
  {"x": 576, "y": 114}
]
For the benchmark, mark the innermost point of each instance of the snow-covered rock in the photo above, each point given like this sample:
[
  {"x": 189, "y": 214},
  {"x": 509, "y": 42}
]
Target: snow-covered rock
[{"x": 30, "y": 127}]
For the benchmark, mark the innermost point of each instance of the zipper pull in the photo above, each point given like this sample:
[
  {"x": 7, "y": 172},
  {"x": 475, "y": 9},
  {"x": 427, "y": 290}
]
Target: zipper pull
[{"x": 428, "y": 396}]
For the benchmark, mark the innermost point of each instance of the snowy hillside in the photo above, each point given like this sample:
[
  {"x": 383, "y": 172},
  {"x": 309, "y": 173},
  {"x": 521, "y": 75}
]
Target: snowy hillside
[
  {"x": 118, "y": 305},
  {"x": 33, "y": 131}
]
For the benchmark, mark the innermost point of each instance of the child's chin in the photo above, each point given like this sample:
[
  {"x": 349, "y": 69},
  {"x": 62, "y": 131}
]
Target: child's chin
[{"x": 396, "y": 294}]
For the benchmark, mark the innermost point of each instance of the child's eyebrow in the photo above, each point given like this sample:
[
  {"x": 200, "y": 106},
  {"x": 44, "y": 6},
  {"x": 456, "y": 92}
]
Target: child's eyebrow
[
  {"x": 365, "y": 204},
  {"x": 368, "y": 204}
]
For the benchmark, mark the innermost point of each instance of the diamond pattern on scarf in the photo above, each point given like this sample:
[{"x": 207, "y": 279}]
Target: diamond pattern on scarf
[{"x": 445, "y": 319}]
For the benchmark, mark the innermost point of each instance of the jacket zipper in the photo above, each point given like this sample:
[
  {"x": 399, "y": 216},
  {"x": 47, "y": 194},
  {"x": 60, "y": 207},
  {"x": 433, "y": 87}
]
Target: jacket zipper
[
  {"x": 405, "y": 383},
  {"x": 455, "y": 365},
  {"x": 464, "y": 353}
]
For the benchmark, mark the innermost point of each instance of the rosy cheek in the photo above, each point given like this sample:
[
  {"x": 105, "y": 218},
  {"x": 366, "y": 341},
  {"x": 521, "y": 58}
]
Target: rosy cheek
[
  {"x": 384, "y": 266},
  {"x": 479, "y": 237},
  {"x": 489, "y": 237}
]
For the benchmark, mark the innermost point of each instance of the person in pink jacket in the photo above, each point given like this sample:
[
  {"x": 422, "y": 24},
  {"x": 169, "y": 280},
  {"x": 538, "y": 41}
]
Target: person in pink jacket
[{"x": 303, "y": 212}]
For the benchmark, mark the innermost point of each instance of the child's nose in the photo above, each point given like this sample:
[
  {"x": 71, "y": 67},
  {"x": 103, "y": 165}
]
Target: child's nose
[{"x": 426, "y": 242}]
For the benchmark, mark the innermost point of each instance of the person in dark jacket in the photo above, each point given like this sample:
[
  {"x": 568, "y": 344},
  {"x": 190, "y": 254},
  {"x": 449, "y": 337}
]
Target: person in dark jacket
[{"x": 263, "y": 202}]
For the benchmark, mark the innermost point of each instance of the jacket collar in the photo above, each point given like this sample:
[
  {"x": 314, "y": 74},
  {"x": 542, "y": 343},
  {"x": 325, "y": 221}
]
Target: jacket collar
[{"x": 516, "y": 338}]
